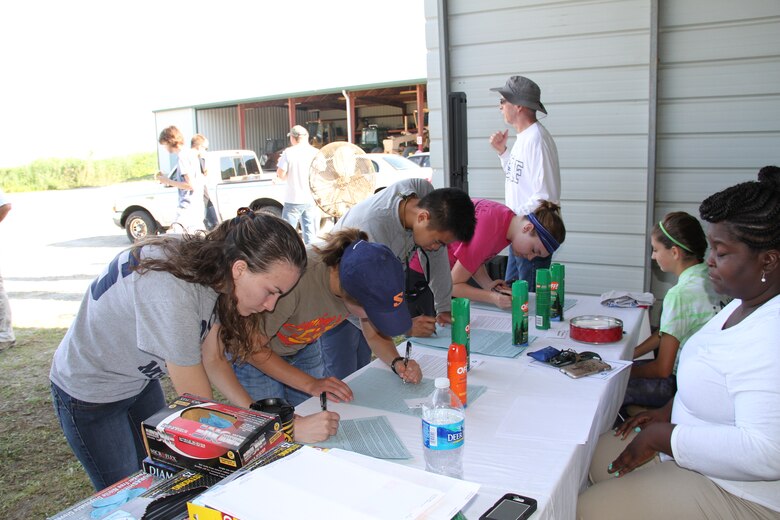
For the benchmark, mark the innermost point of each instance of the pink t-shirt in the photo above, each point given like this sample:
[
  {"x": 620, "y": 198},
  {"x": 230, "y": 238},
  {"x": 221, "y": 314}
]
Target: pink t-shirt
[{"x": 493, "y": 219}]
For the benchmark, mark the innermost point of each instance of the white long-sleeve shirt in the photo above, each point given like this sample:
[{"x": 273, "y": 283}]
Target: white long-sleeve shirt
[
  {"x": 531, "y": 170},
  {"x": 727, "y": 407}
]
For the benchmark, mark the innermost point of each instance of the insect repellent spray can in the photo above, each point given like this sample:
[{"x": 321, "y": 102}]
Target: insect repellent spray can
[
  {"x": 543, "y": 299},
  {"x": 461, "y": 331},
  {"x": 557, "y": 290},
  {"x": 520, "y": 313},
  {"x": 457, "y": 368}
]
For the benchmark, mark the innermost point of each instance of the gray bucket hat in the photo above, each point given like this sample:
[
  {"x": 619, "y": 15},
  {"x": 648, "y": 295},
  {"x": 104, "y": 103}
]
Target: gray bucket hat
[{"x": 523, "y": 92}]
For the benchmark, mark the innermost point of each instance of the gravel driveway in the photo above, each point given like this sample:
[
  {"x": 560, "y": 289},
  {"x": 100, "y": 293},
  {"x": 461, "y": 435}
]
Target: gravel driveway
[{"x": 52, "y": 244}]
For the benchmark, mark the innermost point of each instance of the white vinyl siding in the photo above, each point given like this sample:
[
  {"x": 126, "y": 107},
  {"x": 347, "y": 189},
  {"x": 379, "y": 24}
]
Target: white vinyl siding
[
  {"x": 591, "y": 61},
  {"x": 717, "y": 115},
  {"x": 718, "y": 103}
]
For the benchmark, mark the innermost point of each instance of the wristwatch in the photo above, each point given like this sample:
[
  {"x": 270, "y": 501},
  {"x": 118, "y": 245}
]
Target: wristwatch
[{"x": 392, "y": 364}]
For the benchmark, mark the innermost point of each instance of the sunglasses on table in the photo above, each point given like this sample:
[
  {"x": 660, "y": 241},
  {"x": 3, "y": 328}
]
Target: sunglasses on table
[{"x": 570, "y": 356}]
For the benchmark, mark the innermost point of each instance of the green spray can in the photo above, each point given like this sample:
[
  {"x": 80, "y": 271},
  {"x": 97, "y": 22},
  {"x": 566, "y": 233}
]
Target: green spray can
[
  {"x": 520, "y": 313},
  {"x": 461, "y": 330},
  {"x": 557, "y": 291},
  {"x": 543, "y": 299}
]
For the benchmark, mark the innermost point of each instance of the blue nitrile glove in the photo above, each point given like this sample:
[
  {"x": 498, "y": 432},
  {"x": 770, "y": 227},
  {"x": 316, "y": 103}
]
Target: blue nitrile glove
[
  {"x": 103, "y": 506},
  {"x": 216, "y": 421}
]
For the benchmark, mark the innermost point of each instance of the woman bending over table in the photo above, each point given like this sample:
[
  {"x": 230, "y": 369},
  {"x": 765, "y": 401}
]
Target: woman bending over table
[
  {"x": 714, "y": 450},
  {"x": 346, "y": 275},
  {"x": 538, "y": 234},
  {"x": 151, "y": 313},
  {"x": 679, "y": 245}
]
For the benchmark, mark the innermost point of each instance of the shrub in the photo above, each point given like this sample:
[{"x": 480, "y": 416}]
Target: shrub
[{"x": 67, "y": 173}]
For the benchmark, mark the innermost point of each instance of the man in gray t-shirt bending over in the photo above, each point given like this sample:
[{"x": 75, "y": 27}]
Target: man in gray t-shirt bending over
[{"x": 405, "y": 216}]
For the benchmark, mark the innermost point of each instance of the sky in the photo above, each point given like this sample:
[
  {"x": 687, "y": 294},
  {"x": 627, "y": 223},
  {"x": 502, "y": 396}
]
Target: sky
[{"x": 82, "y": 78}]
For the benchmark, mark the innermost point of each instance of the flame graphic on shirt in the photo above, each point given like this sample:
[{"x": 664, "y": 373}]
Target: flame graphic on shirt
[{"x": 296, "y": 334}]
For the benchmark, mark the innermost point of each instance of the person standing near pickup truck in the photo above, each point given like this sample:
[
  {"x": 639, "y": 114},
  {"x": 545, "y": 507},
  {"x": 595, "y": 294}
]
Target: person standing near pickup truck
[
  {"x": 190, "y": 183},
  {"x": 293, "y": 167},
  {"x": 200, "y": 146}
]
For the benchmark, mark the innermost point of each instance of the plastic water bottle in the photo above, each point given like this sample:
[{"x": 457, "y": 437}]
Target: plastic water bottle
[{"x": 442, "y": 431}]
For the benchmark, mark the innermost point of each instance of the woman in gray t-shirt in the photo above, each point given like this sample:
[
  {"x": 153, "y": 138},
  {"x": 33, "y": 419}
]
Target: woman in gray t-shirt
[{"x": 150, "y": 313}]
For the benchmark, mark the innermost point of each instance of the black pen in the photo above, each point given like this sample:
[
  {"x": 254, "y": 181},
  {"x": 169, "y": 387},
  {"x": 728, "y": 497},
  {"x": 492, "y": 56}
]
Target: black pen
[
  {"x": 408, "y": 353},
  {"x": 324, "y": 402}
]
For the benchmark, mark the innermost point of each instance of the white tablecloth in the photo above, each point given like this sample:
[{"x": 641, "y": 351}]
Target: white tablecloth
[{"x": 553, "y": 469}]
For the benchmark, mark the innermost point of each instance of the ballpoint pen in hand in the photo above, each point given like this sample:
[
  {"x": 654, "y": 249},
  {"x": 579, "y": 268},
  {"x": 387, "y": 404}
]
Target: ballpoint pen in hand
[
  {"x": 408, "y": 353},
  {"x": 324, "y": 402}
]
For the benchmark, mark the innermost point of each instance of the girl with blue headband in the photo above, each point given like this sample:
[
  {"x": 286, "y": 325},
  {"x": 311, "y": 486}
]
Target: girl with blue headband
[
  {"x": 538, "y": 234},
  {"x": 678, "y": 244}
]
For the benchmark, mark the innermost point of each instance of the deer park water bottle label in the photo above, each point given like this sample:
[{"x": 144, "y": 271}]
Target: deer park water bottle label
[{"x": 442, "y": 436}]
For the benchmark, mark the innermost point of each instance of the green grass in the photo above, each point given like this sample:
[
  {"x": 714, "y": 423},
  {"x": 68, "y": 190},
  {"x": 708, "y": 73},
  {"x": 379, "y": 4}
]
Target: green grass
[
  {"x": 68, "y": 173},
  {"x": 39, "y": 474}
]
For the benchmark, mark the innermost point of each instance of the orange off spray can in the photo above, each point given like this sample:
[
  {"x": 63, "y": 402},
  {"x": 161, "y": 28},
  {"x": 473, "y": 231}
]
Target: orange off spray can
[{"x": 457, "y": 370}]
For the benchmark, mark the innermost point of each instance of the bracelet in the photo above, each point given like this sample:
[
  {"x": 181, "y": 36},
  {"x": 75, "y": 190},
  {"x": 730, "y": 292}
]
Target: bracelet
[{"x": 392, "y": 364}]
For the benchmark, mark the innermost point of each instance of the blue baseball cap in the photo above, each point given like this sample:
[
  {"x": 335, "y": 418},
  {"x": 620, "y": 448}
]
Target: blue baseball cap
[{"x": 371, "y": 274}]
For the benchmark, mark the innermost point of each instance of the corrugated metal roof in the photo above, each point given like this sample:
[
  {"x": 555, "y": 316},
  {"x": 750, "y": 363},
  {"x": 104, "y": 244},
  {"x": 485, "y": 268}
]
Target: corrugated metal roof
[{"x": 300, "y": 94}]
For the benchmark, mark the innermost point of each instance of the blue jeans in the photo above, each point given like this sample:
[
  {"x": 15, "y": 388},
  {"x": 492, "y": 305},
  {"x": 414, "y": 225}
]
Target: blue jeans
[
  {"x": 261, "y": 386},
  {"x": 344, "y": 350},
  {"x": 211, "y": 221},
  {"x": 518, "y": 268},
  {"x": 106, "y": 437},
  {"x": 306, "y": 213},
  {"x": 654, "y": 392}
]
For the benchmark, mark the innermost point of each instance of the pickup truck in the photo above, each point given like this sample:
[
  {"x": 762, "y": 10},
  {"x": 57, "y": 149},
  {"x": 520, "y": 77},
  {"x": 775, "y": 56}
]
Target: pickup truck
[{"x": 234, "y": 180}]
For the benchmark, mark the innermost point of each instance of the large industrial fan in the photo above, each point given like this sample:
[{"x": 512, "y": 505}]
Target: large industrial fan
[{"x": 340, "y": 176}]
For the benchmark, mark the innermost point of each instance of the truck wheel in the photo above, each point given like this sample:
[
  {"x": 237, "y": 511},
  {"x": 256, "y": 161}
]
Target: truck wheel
[{"x": 139, "y": 225}]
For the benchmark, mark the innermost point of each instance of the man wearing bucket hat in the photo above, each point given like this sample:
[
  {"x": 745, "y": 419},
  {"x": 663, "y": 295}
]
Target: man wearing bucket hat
[
  {"x": 293, "y": 167},
  {"x": 530, "y": 167},
  {"x": 346, "y": 276}
]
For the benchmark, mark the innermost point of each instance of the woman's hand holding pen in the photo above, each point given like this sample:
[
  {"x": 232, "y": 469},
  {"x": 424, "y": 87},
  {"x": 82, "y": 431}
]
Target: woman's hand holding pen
[
  {"x": 316, "y": 427},
  {"x": 338, "y": 391}
]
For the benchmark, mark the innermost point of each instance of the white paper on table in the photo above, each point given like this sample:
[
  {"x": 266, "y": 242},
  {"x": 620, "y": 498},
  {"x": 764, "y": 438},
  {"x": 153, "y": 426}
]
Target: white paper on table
[
  {"x": 309, "y": 481},
  {"x": 457, "y": 493},
  {"x": 436, "y": 366},
  {"x": 552, "y": 333},
  {"x": 554, "y": 417},
  {"x": 617, "y": 367},
  {"x": 372, "y": 436},
  {"x": 487, "y": 320}
]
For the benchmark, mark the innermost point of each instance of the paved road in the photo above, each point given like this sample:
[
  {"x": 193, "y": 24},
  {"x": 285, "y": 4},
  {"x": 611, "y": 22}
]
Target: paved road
[{"x": 52, "y": 244}]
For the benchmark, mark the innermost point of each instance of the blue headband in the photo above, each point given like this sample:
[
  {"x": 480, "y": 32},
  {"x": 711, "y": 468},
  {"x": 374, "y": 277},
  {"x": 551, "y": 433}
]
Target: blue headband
[{"x": 548, "y": 241}]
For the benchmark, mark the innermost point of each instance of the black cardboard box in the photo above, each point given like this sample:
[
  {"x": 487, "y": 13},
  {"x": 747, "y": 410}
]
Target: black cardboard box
[{"x": 209, "y": 437}]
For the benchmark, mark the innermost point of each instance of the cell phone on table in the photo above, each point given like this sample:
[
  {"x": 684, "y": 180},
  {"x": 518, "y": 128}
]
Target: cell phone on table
[
  {"x": 585, "y": 367},
  {"x": 510, "y": 507}
]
